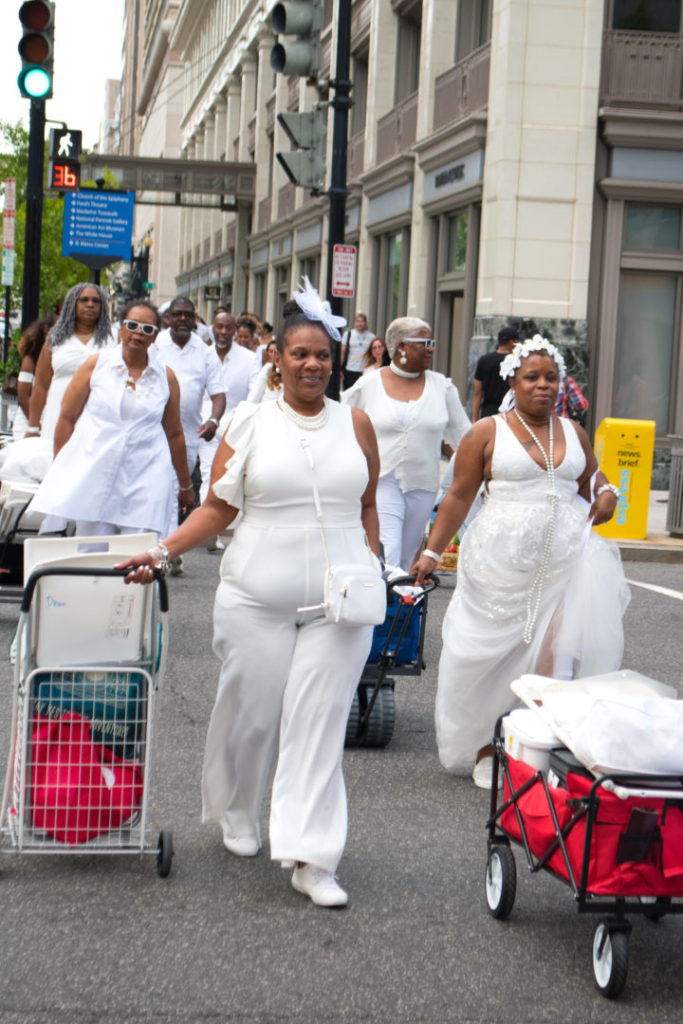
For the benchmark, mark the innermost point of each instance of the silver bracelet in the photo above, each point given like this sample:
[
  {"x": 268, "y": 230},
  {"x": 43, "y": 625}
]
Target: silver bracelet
[
  {"x": 32, "y": 430},
  {"x": 216, "y": 423},
  {"x": 607, "y": 487},
  {"x": 162, "y": 558},
  {"x": 431, "y": 554}
]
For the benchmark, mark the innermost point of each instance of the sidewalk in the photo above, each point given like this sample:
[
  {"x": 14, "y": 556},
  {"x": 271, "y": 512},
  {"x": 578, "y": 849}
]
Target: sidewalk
[{"x": 658, "y": 546}]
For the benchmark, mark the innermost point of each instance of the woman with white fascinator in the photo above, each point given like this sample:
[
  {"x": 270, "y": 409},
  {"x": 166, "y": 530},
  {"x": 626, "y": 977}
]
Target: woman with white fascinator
[
  {"x": 413, "y": 411},
  {"x": 538, "y": 590},
  {"x": 288, "y": 672}
]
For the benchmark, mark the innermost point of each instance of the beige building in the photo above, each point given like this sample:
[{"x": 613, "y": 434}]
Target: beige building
[{"x": 509, "y": 160}]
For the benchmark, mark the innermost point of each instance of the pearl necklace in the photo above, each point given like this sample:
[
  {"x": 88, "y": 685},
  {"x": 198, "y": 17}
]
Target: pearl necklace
[
  {"x": 404, "y": 373},
  {"x": 534, "y": 600},
  {"x": 316, "y": 422}
]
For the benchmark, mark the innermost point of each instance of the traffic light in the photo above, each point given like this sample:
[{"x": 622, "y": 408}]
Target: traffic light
[
  {"x": 36, "y": 48},
  {"x": 306, "y": 165},
  {"x": 302, "y": 19}
]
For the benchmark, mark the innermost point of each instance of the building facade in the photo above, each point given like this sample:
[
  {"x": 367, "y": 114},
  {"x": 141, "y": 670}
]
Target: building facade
[{"x": 509, "y": 161}]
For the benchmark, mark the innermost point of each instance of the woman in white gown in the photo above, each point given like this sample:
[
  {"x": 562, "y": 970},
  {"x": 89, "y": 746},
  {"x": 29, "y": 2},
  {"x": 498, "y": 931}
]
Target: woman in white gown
[
  {"x": 119, "y": 441},
  {"x": 83, "y": 329},
  {"x": 537, "y": 590},
  {"x": 288, "y": 673}
]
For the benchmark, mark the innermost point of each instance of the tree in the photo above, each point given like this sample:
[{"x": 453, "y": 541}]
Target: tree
[{"x": 58, "y": 273}]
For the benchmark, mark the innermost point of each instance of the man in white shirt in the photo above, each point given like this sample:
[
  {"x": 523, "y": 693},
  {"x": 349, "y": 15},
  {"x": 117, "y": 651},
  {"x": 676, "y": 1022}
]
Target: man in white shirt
[
  {"x": 355, "y": 344},
  {"x": 198, "y": 370},
  {"x": 239, "y": 368}
]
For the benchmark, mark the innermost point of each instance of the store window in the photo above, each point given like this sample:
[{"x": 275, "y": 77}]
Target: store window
[
  {"x": 652, "y": 228},
  {"x": 391, "y": 279},
  {"x": 260, "y": 293},
  {"x": 646, "y": 15},
  {"x": 456, "y": 242},
  {"x": 282, "y": 290},
  {"x": 310, "y": 266}
]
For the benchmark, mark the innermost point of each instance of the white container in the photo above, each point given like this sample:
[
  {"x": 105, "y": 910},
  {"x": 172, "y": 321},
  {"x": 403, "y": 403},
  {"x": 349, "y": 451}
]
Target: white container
[{"x": 528, "y": 738}]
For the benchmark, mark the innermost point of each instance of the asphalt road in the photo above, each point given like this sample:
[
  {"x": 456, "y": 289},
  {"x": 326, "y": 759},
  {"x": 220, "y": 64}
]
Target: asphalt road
[{"x": 93, "y": 939}]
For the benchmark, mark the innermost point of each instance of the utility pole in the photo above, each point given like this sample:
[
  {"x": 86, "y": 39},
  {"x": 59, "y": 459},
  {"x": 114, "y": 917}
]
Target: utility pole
[
  {"x": 30, "y": 305},
  {"x": 341, "y": 104}
]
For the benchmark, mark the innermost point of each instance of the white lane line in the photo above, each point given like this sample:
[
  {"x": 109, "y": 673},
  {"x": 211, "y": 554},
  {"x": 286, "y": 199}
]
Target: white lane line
[{"x": 657, "y": 590}]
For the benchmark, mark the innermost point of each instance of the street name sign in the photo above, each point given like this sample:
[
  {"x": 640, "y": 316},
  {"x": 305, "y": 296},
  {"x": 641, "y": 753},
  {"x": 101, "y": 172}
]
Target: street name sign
[{"x": 98, "y": 226}]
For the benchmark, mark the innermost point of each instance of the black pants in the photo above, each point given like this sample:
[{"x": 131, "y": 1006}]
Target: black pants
[{"x": 350, "y": 378}]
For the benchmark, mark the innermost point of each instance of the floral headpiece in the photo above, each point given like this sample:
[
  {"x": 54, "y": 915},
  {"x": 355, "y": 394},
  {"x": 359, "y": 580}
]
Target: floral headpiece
[
  {"x": 524, "y": 349},
  {"x": 311, "y": 305}
]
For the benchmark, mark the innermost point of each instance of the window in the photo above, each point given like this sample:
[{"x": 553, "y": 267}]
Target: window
[
  {"x": 652, "y": 228},
  {"x": 359, "y": 93},
  {"x": 271, "y": 160},
  {"x": 393, "y": 281},
  {"x": 390, "y": 273},
  {"x": 473, "y": 26},
  {"x": 646, "y": 15},
  {"x": 408, "y": 52},
  {"x": 260, "y": 294},
  {"x": 310, "y": 266},
  {"x": 456, "y": 242}
]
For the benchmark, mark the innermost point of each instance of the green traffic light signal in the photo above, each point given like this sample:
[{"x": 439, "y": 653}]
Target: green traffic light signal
[{"x": 37, "y": 19}]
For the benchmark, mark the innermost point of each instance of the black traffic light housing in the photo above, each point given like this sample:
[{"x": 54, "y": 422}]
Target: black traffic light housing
[{"x": 36, "y": 49}]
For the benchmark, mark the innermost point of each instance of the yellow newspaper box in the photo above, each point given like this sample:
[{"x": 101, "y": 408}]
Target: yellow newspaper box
[{"x": 624, "y": 449}]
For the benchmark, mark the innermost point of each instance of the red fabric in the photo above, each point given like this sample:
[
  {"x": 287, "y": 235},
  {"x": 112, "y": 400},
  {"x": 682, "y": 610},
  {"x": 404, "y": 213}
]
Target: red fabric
[
  {"x": 660, "y": 875},
  {"x": 70, "y": 799}
]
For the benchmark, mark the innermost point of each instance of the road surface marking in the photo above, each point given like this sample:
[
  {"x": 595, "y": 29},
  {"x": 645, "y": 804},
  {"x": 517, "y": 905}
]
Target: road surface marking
[{"x": 657, "y": 590}]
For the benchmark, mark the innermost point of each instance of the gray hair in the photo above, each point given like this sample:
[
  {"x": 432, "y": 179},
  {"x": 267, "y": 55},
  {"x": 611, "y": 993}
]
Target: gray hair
[
  {"x": 66, "y": 325},
  {"x": 402, "y": 328}
]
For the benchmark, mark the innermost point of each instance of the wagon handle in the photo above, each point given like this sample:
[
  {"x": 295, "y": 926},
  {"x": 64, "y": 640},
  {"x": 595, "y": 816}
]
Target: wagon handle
[{"x": 53, "y": 570}]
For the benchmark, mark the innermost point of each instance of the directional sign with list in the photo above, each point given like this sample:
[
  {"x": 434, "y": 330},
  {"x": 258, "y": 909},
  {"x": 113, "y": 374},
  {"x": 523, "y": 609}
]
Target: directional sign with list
[{"x": 98, "y": 226}]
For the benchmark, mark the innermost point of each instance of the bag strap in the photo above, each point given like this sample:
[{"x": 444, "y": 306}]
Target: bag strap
[{"x": 303, "y": 441}]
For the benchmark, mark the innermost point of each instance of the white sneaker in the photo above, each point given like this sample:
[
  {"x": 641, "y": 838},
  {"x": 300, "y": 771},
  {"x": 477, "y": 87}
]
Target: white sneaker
[
  {"x": 320, "y": 886},
  {"x": 482, "y": 774},
  {"x": 245, "y": 845},
  {"x": 215, "y": 544}
]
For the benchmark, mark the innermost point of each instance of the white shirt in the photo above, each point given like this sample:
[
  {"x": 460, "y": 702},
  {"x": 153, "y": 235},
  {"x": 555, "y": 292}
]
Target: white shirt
[
  {"x": 239, "y": 371},
  {"x": 358, "y": 343},
  {"x": 410, "y": 438},
  {"x": 198, "y": 369}
]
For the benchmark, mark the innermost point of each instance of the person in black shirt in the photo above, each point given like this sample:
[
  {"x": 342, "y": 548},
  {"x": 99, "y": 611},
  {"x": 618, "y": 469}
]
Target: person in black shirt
[{"x": 489, "y": 386}]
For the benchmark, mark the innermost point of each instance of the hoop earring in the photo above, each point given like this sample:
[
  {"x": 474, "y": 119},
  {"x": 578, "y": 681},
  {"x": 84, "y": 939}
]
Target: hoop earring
[{"x": 404, "y": 359}]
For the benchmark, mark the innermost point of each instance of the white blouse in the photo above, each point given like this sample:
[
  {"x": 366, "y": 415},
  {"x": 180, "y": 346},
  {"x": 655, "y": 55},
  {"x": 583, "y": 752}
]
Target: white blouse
[{"x": 410, "y": 443}]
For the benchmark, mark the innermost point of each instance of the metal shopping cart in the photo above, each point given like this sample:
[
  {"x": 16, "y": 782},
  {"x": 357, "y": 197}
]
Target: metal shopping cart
[
  {"x": 616, "y": 840},
  {"x": 397, "y": 647},
  {"x": 90, "y": 656}
]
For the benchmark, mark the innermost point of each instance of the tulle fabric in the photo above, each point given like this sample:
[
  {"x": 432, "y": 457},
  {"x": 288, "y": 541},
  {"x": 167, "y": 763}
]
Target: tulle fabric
[{"x": 578, "y": 627}]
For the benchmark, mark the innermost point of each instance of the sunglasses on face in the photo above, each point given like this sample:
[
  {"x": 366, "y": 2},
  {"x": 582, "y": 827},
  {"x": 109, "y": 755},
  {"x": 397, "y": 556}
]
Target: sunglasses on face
[
  {"x": 429, "y": 343},
  {"x": 134, "y": 325}
]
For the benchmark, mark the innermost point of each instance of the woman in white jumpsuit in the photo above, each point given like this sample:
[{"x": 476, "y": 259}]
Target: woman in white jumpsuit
[{"x": 285, "y": 697}]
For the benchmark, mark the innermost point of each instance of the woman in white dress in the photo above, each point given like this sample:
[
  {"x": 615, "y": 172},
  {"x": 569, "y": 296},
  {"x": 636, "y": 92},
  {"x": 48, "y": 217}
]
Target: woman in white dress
[
  {"x": 82, "y": 329},
  {"x": 286, "y": 699},
  {"x": 267, "y": 386},
  {"x": 414, "y": 412},
  {"x": 29, "y": 349},
  {"x": 119, "y": 439},
  {"x": 537, "y": 590}
]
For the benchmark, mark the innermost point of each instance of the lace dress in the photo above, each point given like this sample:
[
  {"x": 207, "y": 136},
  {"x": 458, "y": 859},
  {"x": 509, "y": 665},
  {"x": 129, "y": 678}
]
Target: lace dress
[{"x": 579, "y": 617}]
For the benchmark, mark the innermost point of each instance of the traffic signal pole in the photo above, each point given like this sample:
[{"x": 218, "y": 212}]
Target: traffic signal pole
[
  {"x": 341, "y": 103},
  {"x": 30, "y": 305}
]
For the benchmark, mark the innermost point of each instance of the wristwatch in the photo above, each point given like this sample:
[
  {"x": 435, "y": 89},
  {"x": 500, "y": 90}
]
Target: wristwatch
[{"x": 216, "y": 423}]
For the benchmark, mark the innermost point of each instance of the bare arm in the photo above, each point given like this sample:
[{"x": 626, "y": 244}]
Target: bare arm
[
  {"x": 73, "y": 403},
  {"x": 468, "y": 475},
  {"x": 24, "y": 388},
  {"x": 476, "y": 400},
  {"x": 365, "y": 435},
  {"x": 173, "y": 429},
  {"x": 602, "y": 509},
  {"x": 41, "y": 386}
]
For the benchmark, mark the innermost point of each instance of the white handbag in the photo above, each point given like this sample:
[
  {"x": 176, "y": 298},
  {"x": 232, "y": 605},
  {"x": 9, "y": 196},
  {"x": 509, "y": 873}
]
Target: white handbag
[{"x": 354, "y": 593}]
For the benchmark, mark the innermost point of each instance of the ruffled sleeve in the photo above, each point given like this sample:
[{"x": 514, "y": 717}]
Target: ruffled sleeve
[{"x": 240, "y": 434}]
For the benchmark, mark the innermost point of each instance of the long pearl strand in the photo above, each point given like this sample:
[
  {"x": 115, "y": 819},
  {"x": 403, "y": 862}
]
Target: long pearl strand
[{"x": 534, "y": 600}]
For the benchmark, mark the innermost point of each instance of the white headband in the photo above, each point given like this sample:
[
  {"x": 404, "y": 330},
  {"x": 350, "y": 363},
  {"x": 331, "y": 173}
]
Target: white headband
[
  {"x": 312, "y": 306},
  {"x": 524, "y": 349}
]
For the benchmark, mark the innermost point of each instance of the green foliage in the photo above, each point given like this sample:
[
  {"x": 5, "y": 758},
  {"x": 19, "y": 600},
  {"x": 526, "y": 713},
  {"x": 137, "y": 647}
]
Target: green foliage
[{"x": 58, "y": 273}]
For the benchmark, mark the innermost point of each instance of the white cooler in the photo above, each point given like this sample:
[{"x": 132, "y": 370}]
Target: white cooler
[{"x": 528, "y": 738}]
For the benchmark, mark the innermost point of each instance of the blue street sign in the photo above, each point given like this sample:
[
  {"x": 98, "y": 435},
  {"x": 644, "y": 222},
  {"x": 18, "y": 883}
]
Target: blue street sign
[{"x": 98, "y": 226}]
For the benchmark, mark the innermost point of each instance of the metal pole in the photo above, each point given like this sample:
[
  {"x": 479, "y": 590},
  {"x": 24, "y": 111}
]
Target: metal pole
[
  {"x": 337, "y": 192},
  {"x": 34, "y": 214},
  {"x": 8, "y": 307}
]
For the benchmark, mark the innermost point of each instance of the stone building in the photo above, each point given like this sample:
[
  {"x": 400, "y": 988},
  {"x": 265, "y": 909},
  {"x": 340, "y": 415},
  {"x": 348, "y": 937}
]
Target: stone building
[{"x": 509, "y": 160}]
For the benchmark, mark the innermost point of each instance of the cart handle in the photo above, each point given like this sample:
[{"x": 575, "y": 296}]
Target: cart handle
[
  {"x": 408, "y": 581},
  {"x": 53, "y": 570}
]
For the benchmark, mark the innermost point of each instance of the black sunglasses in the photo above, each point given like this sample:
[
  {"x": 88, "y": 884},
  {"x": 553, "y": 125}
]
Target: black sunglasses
[{"x": 134, "y": 325}]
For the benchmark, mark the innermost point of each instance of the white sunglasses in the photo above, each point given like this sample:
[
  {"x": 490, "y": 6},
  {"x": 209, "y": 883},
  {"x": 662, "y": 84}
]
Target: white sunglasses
[
  {"x": 135, "y": 325},
  {"x": 429, "y": 343}
]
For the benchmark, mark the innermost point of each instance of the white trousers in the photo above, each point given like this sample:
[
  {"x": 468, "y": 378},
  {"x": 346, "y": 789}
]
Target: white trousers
[
  {"x": 284, "y": 696},
  {"x": 207, "y": 451},
  {"x": 403, "y": 516}
]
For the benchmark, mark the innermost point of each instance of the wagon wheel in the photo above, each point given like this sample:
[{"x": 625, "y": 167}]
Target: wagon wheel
[
  {"x": 500, "y": 881},
  {"x": 164, "y": 853},
  {"x": 380, "y": 725},
  {"x": 610, "y": 959},
  {"x": 353, "y": 723}
]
